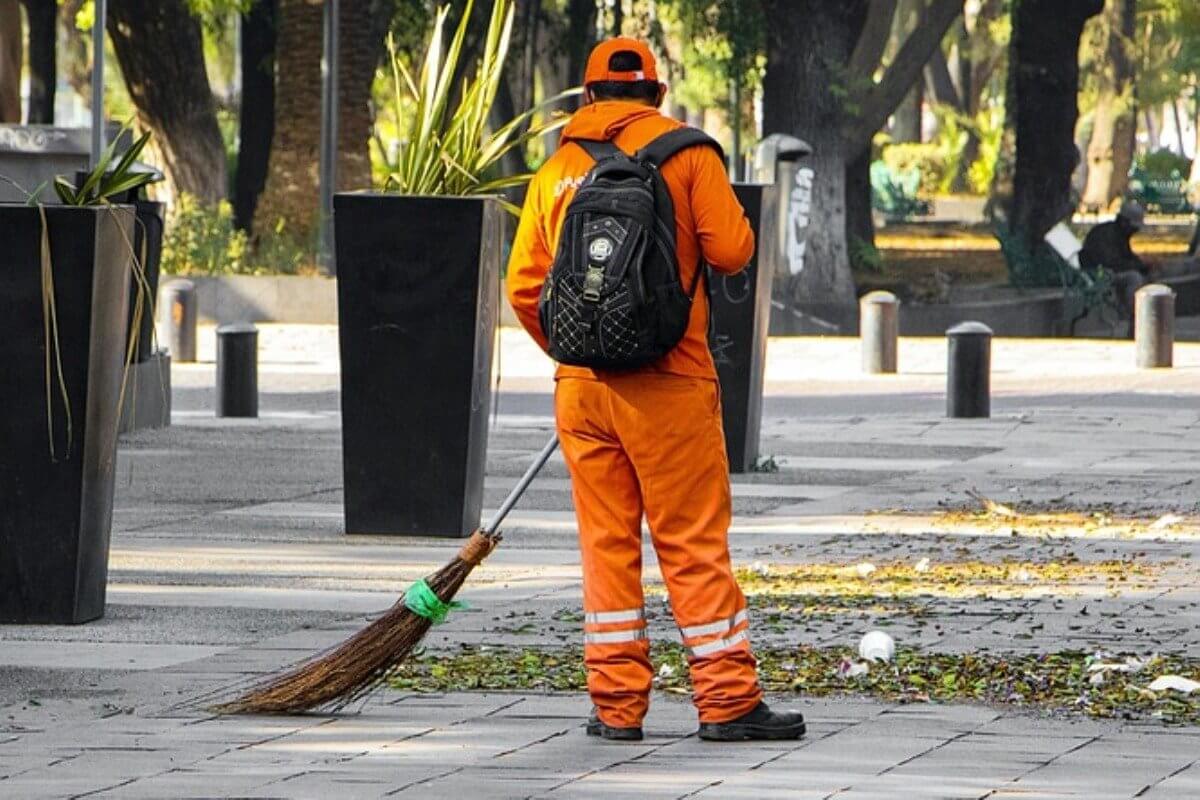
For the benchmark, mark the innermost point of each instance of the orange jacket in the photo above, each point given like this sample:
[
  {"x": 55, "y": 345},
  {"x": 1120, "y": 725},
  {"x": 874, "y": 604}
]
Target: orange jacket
[{"x": 710, "y": 223}]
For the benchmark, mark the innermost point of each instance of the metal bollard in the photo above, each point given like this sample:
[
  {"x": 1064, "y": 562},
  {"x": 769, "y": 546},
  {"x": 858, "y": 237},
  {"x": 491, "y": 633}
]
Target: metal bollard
[
  {"x": 237, "y": 370},
  {"x": 968, "y": 370},
  {"x": 878, "y": 328},
  {"x": 178, "y": 306},
  {"x": 1154, "y": 325}
]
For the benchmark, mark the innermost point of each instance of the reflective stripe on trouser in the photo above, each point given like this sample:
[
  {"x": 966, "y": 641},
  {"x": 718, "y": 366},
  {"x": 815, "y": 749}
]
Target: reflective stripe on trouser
[{"x": 653, "y": 443}]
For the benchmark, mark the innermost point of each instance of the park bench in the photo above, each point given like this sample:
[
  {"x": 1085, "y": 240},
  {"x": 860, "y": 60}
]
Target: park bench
[
  {"x": 1080, "y": 287},
  {"x": 1162, "y": 195}
]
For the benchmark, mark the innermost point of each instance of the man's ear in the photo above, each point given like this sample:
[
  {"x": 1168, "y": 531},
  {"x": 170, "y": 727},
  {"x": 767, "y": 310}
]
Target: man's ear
[
  {"x": 662, "y": 93},
  {"x": 587, "y": 96}
]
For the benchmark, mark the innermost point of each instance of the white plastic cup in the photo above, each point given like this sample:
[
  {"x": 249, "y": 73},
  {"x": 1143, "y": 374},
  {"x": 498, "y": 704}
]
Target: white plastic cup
[{"x": 877, "y": 646}]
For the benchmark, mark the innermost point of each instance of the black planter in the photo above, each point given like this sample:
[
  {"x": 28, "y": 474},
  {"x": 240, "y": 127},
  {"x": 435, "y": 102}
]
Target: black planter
[
  {"x": 147, "y": 244},
  {"x": 741, "y": 311},
  {"x": 418, "y": 283},
  {"x": 56, "y": 513}
]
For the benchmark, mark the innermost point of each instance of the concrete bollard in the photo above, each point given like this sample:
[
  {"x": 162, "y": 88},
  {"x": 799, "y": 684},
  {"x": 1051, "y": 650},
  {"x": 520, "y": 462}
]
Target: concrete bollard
[
  {"x": 237, "y": 370},
  {"x": 1154, "y": 325},
  {"x": 178, "y": 308},
  {"x": 968, "y": 370},
  {"x": 878, "y": 329}
]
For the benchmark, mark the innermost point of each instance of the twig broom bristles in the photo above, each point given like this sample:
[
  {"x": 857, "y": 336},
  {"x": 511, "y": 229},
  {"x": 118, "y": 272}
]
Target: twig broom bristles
[{"x": 363, "y": 661}]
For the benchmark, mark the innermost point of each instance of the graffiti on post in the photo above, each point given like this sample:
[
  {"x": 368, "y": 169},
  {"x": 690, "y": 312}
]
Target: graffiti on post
[{"x": 799, "y": 207}]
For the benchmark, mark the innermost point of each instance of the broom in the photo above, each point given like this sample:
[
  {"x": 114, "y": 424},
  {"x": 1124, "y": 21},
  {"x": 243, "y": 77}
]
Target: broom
[{"x": 352, "y": 669}]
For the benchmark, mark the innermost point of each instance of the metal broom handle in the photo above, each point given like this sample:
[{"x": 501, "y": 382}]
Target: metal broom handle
[{"x": 522, "y": 485}]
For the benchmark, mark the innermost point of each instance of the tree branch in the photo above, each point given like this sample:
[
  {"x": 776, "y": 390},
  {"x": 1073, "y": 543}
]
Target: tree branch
[
  {"x": 939, "y": 82},
  {"x": 873, "y": 39},
  {"x": 876, "y": 103}
]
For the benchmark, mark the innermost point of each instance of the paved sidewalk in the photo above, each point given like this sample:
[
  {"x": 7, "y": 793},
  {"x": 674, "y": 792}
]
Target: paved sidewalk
[{"x": 229, "y": 560}]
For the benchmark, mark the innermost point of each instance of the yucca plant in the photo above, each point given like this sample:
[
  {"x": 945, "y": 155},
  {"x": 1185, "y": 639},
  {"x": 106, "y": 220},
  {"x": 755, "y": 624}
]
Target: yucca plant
[
  {"x": 103, "y": 183},
  {"x": 454, "y": 151},
  {"x": 98, "y": 186}
]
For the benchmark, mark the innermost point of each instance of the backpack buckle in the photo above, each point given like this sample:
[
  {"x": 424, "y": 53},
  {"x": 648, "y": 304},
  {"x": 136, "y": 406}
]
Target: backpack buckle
[{"x": 593, "y": 283}]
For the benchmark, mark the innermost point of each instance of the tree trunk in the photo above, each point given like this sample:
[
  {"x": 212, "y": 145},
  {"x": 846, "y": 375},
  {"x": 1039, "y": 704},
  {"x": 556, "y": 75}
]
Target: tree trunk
[
  {"x": 1110, "y": 151},
  {"x": 806, "y": 39},
  {"x": 361, "y": 43},
  {"x": 906, "y": 122},
  {"x": 1043, "y": 102},
  {"x": 256, "y": 122},
  {"x": 860, "y": 226},
  {"x": 289, "y": 196},
  {"x": 42, "y": 16},
  {"x": 939, "y": 83},
  {"x": 968, "y": 96},
  {"x": 75, "y": 64},
  {"x": 11, "y": 59},
  {"x": 581, "y": 38},
  {"x": 1152, "y": 129},
  {"x": 292, "y": 185},
  {"x": 169, "y": 87},
  {"x": 1194, "y": 176}
]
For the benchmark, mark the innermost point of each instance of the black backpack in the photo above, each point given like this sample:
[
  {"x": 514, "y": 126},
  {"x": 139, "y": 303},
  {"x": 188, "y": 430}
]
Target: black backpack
[{"x": 614, "y": 298}]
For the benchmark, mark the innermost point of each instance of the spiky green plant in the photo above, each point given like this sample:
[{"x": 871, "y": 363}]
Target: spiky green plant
[
  {"x": 453, "y": 150},
  {"x": 105, "y": 180}
]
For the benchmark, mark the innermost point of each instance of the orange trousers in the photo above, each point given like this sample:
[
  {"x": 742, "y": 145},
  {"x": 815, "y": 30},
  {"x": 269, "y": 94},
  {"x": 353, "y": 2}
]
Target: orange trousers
[{"x": 653, "y": 444}]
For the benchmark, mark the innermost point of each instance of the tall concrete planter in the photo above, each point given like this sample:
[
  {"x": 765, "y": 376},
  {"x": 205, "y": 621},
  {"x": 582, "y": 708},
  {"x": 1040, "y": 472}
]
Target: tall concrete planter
[
  {"x": 56, "y": 508},
  {"x": 417, "y": 310}
]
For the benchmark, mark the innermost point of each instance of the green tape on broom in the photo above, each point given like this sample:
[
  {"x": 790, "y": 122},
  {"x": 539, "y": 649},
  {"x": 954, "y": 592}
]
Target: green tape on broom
[{"x": 422, "y": 601}]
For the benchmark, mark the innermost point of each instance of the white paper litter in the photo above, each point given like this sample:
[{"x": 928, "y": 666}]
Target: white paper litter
[
  {"x": 1165, "y": 521},
  {"x": 922, "y": 566},
  {"x": 865, "y": 569},
  {"x": 850, "y": 669},
  {"x": 1176, "y": 683}
]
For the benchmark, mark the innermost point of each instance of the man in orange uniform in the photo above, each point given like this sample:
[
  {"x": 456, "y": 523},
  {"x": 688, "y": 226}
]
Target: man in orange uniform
[{"x": 649, "y": 441}]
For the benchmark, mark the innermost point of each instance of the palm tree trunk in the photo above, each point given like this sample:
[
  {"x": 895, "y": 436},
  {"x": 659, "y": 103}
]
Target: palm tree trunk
[{"x": 289, "y": 198}]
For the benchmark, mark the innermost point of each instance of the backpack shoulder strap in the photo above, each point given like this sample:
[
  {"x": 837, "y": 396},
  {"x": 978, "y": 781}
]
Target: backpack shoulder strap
[
  {"x": 659, "y": 151},
  {"x": 598, "y": 149}
]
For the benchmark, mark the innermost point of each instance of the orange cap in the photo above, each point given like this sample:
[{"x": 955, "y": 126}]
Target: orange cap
[{"x": 598, "y": 69}]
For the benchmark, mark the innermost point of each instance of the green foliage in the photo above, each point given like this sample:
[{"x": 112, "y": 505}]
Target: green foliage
[
  {"x": 720, "y": 42},
  {"x": 989, "y": 127},
  {"x": 1062, "y": 681},
  {"x": 1167, "y": 45},
  {"x": 202, "y": 240},
  {"x": 213, "y": 14},
  {"x": 953, "y": 131},
  {"x": 452, "y": 150},
  {"x": 922, "y": 168},
  {"x": 894, "y": 190},
  {"x": 107, "y": 180},
  {"x": 216, "y": 13},
  {"x": 865, "y": 257},
  {"x": 1159, "y": 181},
  {"x": 1162, "y": 165}
]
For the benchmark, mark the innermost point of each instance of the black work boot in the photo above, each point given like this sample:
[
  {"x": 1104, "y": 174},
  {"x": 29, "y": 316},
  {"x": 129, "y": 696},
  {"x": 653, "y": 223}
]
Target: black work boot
[
  {"x": 761, "y": 723},
  {"x": 597, "y": 728}
]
